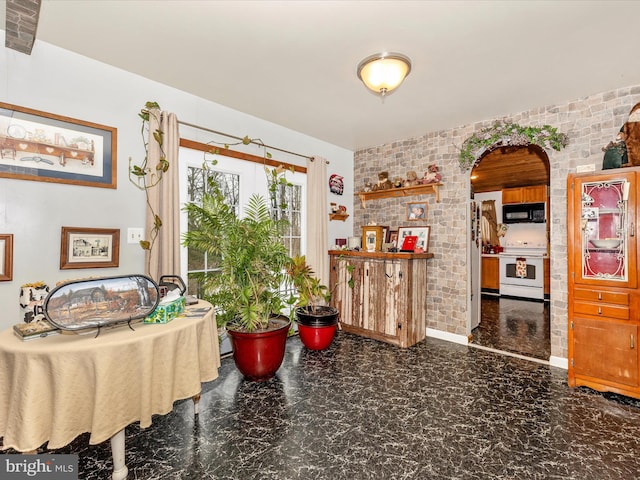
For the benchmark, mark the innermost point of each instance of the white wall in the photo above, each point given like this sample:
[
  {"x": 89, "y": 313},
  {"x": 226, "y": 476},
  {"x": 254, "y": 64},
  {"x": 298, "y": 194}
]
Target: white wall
[{"x": 64, "y": 83}]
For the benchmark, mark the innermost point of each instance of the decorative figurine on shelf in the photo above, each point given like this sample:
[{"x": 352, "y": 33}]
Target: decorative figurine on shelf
[
  {"x": 397, "y": 182},
  {"x": 334, "y": 207},
  {"x": 342, "y": 209},
  {"x": 615, "y": 152},
  {"x": 383, "y": 182},
  {"x": 367, "y": 186},
  {"x": 412, "y": 179},
  {"x": 432, "y": 175}
]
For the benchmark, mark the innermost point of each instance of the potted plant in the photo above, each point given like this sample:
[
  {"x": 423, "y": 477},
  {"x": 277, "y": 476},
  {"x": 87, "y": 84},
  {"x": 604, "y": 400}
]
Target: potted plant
[
  {"x": 246, "y": 289},
  {"x": 317, "y": 321}
]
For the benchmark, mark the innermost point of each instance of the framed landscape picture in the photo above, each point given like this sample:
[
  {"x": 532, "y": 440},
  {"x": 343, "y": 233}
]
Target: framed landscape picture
[
  {"x": 89, "y": 247},
  {"x": 45, "y": 147}
]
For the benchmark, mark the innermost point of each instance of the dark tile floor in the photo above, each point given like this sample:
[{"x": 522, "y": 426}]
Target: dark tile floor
[
  {"x": 363, "y": 409},
  {"x": 515, "y": 326}
]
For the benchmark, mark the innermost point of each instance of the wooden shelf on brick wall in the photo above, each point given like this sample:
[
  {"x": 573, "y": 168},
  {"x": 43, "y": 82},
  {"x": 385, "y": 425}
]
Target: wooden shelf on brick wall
[{"x": 431, "y": 188}]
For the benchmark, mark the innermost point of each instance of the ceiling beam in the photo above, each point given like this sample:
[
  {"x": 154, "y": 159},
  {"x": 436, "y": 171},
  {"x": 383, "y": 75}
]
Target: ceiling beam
[{"x": 21, "y": 24}]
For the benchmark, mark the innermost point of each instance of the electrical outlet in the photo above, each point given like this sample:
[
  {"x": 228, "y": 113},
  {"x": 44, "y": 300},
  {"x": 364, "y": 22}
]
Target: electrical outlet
[{"x": 134, "y": 235}]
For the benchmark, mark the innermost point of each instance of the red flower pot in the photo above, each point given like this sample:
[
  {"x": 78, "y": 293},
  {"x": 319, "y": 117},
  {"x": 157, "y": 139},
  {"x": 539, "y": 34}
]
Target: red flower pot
[
  {"x": 259, "y": 354},
  {"x": 317, "y": 338},
  {"x": 317, "y": 328}
]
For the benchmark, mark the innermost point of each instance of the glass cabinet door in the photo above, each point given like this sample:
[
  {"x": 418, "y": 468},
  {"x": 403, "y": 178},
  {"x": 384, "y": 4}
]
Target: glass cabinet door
[{"x": 606, "y": 230}]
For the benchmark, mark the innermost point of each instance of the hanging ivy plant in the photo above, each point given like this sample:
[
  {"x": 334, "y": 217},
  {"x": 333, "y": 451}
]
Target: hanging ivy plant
[
  {"x": 502, "y": 134},
  {"x": 146, "y": 176}
]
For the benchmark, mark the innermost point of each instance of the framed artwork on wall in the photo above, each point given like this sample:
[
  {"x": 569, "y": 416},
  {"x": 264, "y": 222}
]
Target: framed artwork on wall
[
  {"x": 89, "y": 247},
  {"x": 45, "y": 147},
  {"x": 6, "y": 257},
  {"x": 417, "y": 211},
  {"x": 422, "y": 243}
]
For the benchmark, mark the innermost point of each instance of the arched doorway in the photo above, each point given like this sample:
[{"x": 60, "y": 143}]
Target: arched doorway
[{"x": 517, "y": 323}]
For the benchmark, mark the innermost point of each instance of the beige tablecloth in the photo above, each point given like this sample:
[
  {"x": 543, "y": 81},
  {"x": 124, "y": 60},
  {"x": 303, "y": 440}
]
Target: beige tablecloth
[{"x": 55, "y": 388}]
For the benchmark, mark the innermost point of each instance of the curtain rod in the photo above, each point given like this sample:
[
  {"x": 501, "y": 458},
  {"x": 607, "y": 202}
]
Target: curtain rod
[{"x": 240, "y": 138}]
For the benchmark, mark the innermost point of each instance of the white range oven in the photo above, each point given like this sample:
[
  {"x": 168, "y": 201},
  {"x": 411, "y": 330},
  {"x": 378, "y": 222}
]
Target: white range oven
[{"x": 522, "y": 270}]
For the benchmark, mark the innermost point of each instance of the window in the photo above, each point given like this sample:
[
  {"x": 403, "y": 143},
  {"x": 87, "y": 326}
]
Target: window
[
  {"x": 286, "y": 203},
  {"x": 198, "y": 183},
  {"x": 238, "y": 180}
]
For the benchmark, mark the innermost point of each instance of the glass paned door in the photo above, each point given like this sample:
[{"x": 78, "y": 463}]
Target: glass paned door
[{"x": 605, "y": 229}]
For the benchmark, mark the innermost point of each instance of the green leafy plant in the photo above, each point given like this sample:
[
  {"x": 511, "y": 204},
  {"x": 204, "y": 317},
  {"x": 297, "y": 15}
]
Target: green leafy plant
[
  {"x": 252, "y": 259},
  {"x": 311, "y": 293},
  {"x": 502, "y": 134}
]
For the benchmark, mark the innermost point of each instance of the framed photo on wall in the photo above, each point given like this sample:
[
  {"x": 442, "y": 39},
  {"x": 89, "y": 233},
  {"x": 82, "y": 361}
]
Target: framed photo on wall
[
  {"x": 6, "y": 257},
  {"x": 417, "y": 211},
  {"x": 45, "y": 147},
  {"x": 89, "y": 247},
  {"x": 422, "y": 233}
]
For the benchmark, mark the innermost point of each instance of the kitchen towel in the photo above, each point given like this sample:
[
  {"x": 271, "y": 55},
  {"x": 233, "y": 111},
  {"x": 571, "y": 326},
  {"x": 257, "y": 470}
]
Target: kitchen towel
[{"x": 521, "y": 267}]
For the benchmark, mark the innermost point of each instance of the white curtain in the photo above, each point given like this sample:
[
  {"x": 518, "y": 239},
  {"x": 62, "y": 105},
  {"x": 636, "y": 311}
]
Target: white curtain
[
  {"x": 317, "y": 218},
  {"x": 164, "y": 258}
]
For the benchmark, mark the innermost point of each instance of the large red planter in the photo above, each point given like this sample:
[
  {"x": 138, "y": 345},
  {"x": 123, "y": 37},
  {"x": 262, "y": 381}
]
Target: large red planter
[
  {"x": 259, "y": 354},
  {"x": 318, "y": 329}
]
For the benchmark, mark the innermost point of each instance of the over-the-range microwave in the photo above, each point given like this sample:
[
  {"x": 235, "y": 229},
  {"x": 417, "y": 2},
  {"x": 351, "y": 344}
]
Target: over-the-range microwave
[{"x": 524, "y": 213}]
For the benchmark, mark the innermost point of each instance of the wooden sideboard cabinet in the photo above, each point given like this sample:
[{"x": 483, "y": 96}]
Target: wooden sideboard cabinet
[
  {"x": 381, "y": 295},
  {"x": 604, "y": 299}
]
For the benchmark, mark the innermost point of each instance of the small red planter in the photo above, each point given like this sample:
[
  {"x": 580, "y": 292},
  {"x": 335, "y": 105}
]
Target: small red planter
[
  {"x": 317, "y": 338},
  {"x": 317, "y": 329}
]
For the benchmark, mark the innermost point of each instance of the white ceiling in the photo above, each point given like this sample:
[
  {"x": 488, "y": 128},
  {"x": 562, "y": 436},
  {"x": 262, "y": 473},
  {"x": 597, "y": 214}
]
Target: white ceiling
[{"x": 294, "y": 62}]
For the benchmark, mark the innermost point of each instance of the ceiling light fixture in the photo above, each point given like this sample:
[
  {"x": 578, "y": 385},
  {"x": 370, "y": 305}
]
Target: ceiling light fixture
[{"x": 384, "y": 72}]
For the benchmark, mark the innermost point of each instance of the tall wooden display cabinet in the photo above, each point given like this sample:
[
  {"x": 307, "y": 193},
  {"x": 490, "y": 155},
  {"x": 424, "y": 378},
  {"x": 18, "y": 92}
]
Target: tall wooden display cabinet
[{"x": 604, "y": 299}]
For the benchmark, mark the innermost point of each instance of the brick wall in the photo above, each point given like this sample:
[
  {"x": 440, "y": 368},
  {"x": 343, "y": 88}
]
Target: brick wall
[{"x": 590, "y": 122}]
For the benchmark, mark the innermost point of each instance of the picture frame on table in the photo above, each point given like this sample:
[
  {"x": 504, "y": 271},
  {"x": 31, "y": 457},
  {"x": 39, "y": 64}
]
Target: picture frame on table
[
  {"x": 6, "y": 257},
  {"x": 416, "y": 210},
  {"x": 393, "y": 238},
  {"x": 422, "y": 233},
  {"x": 46, "y": 147},
  {"x": 89, "y": 247},
  {"x": 373, "y": 236}
]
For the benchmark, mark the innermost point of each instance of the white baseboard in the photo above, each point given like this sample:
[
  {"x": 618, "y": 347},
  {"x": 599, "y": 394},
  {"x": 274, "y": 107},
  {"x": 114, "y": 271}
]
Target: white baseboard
[
  {"x": 449, "y": 337},
  {"x": 559, "y": 362}
]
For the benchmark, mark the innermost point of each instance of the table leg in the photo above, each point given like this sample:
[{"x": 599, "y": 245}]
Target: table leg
[
  {"x": 196, "y": 404},
  {"x": 120, "y": 469}
]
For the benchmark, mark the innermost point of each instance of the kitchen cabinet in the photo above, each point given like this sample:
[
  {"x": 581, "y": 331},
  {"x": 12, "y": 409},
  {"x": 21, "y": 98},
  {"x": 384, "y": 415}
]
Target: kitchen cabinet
[
  {"x": 381, "y": 295},
  {"x": 490, "y": 278},
  {"x": 533, "y": 194},
  {"x": 604, "y": 299}
]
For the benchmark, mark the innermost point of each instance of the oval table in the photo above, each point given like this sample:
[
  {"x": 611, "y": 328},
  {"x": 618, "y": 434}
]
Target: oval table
[{"x": 55, "y": 388}]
